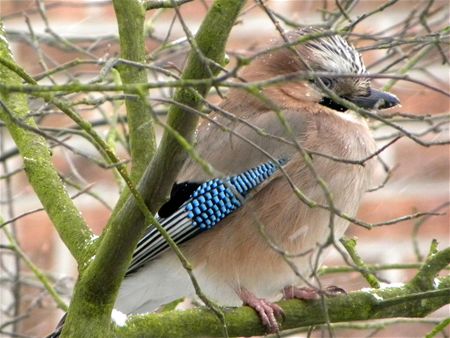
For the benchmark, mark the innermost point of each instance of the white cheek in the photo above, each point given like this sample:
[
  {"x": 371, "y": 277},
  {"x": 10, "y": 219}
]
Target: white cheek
[{"x": 351, "y": 117}]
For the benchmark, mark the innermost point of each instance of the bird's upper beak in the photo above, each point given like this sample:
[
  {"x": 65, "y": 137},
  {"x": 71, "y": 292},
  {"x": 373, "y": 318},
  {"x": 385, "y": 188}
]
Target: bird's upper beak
[{"x": 375, "y": 100}]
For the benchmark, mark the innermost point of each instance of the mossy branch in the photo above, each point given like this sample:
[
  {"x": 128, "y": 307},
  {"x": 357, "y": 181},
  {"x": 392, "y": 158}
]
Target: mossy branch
[
  {"x": 155, "y": 4},
  {"x": 95, "y": 291},
  {"x": 350, "y": 246},
  {"x": 130, "y": 18},
  {"x": 37, "y": 159},
  {"x": 243, "y": 321},
  {"x": 436, "y": 262},
  {"x": 368, "y": 304},
  {"x": 210, "y": 43}
]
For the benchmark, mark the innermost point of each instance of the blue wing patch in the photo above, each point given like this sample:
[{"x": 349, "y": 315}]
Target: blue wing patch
[
  {"x": 214, "y": 200},
  {"x": 208, "y": 204}
]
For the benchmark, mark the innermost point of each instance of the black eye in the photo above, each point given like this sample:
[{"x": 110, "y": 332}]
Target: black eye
[{"x": 327, "y": 82}]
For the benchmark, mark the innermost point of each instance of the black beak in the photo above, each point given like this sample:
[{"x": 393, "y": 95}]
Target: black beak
[{"x": 375, "y": 100}]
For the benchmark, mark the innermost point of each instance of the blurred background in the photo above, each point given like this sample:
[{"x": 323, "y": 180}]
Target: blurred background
[{"x": 82, "y": 35}]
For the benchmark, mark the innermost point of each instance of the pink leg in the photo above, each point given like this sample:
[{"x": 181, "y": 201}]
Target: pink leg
[
  {"x": 305, "y": 293},
  {"x": 267, "y": 311}
]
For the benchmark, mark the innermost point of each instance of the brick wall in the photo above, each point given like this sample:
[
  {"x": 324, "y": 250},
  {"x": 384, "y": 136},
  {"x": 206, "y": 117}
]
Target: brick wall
[{"x": 420, "y": 181}]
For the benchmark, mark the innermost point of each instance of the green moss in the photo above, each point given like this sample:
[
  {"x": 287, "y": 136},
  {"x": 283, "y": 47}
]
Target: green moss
[
  {"x": 243, "y": 321},
  {"x": 130, "y": 18},
  {"x": 37, "y": 159}
]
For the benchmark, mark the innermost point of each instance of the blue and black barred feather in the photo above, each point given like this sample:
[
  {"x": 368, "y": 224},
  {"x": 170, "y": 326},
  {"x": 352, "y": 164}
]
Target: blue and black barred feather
[{"x": 199, "y": 207}]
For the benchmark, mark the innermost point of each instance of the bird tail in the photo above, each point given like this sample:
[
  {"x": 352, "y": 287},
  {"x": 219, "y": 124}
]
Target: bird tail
[{"x": 59, "y": 328}]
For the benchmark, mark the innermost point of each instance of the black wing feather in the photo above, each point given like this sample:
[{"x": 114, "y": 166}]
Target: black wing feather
[{"x": 196, "y": 207}]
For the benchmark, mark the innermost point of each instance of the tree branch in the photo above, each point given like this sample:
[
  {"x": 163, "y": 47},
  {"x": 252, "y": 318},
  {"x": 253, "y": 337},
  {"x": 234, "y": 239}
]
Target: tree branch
[
  {"x": 130, "y": 18},
  {"x": 367, "y": 304},
  {"x": 243, "y": 321},
  {"x": 95, "y": 292},
  {"x": 155, "y": 4},
  {"x": 38, "y": 164},
  {"x": 210, "y": 41},
  {"x": 350, "y": 246},
  {"x": 36, "y": 271}
]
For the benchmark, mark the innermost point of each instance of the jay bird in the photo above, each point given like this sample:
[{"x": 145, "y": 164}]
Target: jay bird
[{"x": 216, "y": 221}]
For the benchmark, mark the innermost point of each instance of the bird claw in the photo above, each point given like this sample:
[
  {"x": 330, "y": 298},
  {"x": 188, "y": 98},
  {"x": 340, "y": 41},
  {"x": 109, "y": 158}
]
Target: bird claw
[
  {"x": 268, "y": 312},
  {"x": 305, "y": 293}
]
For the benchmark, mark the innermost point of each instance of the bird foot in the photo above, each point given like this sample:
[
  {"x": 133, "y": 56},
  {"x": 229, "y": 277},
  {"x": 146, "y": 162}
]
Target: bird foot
[
  {"x": 305, "y": 293},
  {"x": 267, "y": 311}
]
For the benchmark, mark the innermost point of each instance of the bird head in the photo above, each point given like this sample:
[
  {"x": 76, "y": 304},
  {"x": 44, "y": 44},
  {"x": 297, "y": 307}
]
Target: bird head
[{"x": 331, "y": 62}]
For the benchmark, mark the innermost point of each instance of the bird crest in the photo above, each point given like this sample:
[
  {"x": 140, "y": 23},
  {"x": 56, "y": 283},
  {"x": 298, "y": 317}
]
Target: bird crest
[{"x": 332, "y": 54}]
